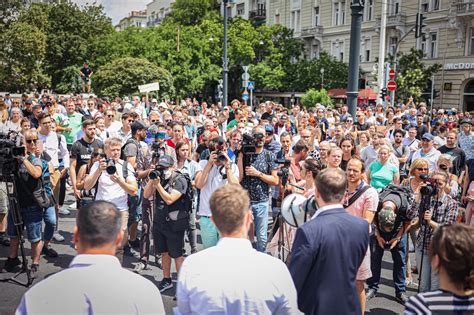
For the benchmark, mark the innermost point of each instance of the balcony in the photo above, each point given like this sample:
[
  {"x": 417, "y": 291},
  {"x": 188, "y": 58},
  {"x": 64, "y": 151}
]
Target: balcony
[
  {"x": 311, "y": 32},
  {"x": 397, "y": 21},
  {"x": 259, "y": 14},
  {"x": 464, "y": 8}
]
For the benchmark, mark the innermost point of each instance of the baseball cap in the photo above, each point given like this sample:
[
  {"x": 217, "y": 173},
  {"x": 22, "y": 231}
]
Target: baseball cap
[
  {"x": 427, "y": 136},
  {"x": 137, "y": 125},
  {"x": 269, "y": 128},
  {"x": 28, "y": 102},
  {"x": 386, "y": 218},
  {"x": 154, "y": 100},
  {"x": 165, "y": 161},
  {"x": 467, "y": 121},
  {"x": 163, "y": 104}
]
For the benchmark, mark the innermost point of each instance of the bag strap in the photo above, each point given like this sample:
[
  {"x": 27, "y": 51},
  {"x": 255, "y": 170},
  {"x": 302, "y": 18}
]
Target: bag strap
[
  {"x": 357, "y": 195},
  {"x": 125, "y": 169}
]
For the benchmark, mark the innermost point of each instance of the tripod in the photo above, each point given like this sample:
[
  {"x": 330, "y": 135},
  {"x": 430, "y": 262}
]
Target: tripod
[{"x": 14, "y": 208}]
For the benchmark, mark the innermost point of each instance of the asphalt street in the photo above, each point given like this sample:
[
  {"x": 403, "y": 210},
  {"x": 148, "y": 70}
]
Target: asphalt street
[{"x": 10, "y": 294}]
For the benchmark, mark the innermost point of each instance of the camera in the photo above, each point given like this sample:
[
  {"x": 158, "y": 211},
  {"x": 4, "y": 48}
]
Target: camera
[
  {"x": 218, "y": 145},
  {"x": 157, "y": 151},
  {"x": 157, "y": 173},
  {"x": 111, "y": 169},
  {"x": 285, "y": 171},
  {"x": 10, "y": 150},
  {"x": 431, "y": 188},
  {"x": 249, "y": 142}
]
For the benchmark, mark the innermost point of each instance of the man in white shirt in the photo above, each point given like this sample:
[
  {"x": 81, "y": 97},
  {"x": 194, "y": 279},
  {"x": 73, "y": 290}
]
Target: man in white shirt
[
  {"x": 232, "y": 277},
  {"x": 114, "y": 183},
  {"x": 94, "y": 283},
  {"x": 212, "y": 174},
  {"x": 428, "y": 152}
]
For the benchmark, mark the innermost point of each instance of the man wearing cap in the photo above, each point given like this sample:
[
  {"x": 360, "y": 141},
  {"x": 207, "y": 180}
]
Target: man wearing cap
[
  {"x": 134, "y": 152},
  {"x": 171, "y": 218},
  {"x": 272, "y": 143},
  {"x": 391, "y": 224},
  {"x": 427, "y": 151}
]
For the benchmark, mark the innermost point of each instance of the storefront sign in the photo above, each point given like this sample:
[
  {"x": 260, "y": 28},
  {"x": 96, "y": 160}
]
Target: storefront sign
[{"x": 459, "y": 66}]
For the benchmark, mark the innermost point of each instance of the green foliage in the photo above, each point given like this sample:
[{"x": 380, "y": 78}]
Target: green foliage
[
  {"x": 413, "y": 75},
  {"x": 123, "y": 76},
  {"x": 314, "y": 96},
  {"x": 192, "y": 12}
]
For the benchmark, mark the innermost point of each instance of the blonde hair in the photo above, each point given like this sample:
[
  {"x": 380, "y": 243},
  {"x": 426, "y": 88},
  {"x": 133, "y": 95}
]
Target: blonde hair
[
  {"x": 417, "y": 163},
  {"x": 112, "y": 142}
]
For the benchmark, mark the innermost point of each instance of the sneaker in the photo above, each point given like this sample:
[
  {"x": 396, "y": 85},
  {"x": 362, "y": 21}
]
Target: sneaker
[
  {"x": 165, "y": 284},
  {"x": 402, "y": 298},
  {"x": 49, "y": 252},
  {"x": 58, "y": 237},
  {"x": 140, "y": 267},
  {"x": 370, "y": 294},
  {"x": 34, "y": 271},
  {"x": 127, "y": 250},
  {"x": 158, "y": 262},
  {"x": 64, "y": 211},
  {"x": 4, "y": 240},
  {"x": 11, "y": 263}
]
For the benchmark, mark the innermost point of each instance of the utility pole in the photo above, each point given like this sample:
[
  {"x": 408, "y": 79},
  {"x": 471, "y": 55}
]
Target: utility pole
[
  {"x": 357, "y": 7},
  {"x": 225, "y": 65},
  {"x": 381, "y": 63}
]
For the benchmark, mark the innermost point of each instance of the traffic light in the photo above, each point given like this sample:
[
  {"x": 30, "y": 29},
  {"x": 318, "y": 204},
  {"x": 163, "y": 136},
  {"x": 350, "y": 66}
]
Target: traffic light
[
  {"x": 420, "y": 25},
  {"x": 383, "y": 93},
  {"x": 435, "y": 93}
]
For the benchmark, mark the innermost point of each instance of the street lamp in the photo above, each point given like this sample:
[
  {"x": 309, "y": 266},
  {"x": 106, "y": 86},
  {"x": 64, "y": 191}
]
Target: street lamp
[{"x": 322, "y": 78}]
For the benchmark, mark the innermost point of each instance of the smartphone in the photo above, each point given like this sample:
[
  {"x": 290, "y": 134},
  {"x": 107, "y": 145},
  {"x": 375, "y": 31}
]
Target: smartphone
[{"x": 161, "y": 134}]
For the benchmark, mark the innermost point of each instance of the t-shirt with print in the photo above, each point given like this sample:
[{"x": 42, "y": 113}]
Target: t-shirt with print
[
  {"x": 110, "y": 191},
  {"x": 81, "y": 151},
  {"x": 74, "y": 122},
  {"x": 26, "y": 184},
  {"x": 175, "y": 182},
  {"x": 257, "y": 188}
]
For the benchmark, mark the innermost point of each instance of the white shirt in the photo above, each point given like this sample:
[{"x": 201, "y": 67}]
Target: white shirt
[
  {"x": 55, "y": 149},
  {"x": 214, "y": 181},
  {"x": 114, "y": 127},
  {"x": 233, "y": 278},
  {"x": 93, "y": 284},
  {"x": 108, "y": 190},
  {"x": 326, "y": 208},
  {"x": 432, "y": 157}
]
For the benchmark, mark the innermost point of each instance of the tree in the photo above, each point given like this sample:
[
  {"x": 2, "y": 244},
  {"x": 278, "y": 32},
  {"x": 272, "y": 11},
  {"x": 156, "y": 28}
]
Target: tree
[
  {"x": 192, "y": 12},
  {"x": 413, "y": 75},
  {"x": 314, "y": 96},
  {"x": 123, "y": 76}
]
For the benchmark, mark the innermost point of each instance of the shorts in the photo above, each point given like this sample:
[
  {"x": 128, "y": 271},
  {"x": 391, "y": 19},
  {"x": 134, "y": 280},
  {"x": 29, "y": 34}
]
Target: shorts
[
  {"x": 168, "y": 241},
  {"x": 364, "y": 271},
  {"x": 3, "y": 198},
  {"x": 32, "y": 219},
  {"x": 124, "y": 215}
]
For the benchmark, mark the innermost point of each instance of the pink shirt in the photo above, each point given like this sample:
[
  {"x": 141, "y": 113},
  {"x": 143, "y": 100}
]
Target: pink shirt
[{"x": 369, "y": 201}]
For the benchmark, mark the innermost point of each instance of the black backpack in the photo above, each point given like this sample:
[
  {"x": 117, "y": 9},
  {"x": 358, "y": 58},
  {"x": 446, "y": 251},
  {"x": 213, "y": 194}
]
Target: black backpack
[
  {"x": 188, "y": 197},
  {"x": 406, "y": 197},
  {"x": 122, "y": 150}
]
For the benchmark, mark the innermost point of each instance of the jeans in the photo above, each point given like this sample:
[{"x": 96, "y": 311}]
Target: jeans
[
  {"x": 135, "y": 207},
  {"x": 32, "y": 218},
  {"x": 191, "y": 231},
  {"x": 399, "y": 264},
  {"x": 49, "y": 218},
  {"x": 260, "y": 218},
  {"x": 147, "y": 222},
  {"x": 209, "y": 232},
  {"x": 429, "y": 279}
]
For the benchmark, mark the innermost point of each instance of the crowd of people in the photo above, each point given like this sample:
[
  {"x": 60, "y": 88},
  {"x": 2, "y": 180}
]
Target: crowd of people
[{"x": 391, "y": 178}]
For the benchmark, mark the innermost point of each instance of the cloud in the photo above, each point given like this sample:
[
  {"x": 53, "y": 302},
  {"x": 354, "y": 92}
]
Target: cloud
[{"x": 117, "y": 9}]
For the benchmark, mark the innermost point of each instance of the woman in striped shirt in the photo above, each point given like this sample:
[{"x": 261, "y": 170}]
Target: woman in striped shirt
[{"x": 452, "y": 257}]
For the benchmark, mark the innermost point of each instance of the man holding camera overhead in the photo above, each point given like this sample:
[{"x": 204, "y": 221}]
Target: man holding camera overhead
[
  {"x": 115, "y": 180},
  {"x": 213, "y": 173}
]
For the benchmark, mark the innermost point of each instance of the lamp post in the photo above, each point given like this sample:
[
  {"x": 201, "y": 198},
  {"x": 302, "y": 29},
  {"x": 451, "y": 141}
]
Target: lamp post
[
  {"x": 225, "y": 69},
  {"x": 322, "y": 78}
]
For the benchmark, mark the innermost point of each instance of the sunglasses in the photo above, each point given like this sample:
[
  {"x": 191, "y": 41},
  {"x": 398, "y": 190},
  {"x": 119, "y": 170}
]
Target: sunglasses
[
  {"x": 110, "y": 116},
  {"x": 154, "y": 121},
  {"x": 425, "y": 140},
  {"x": 130, "y": 120},
  {"x": 422, "y": 169},
  {"x": 30, "y": 141}
]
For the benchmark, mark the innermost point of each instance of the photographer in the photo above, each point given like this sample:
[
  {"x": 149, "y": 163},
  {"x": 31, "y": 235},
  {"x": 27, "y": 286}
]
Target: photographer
[
  {"x": 212, "y": 174},
  {"x": 27, "y": 181},
  {"x": 441, "y": 209},
  {"x": 257, "y": 177},
  {"x": 171, "y": 217},
  {"x": 115, "y": 180}
]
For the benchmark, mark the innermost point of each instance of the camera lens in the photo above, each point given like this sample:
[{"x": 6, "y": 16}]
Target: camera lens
[{"x": 111, "y": 169}]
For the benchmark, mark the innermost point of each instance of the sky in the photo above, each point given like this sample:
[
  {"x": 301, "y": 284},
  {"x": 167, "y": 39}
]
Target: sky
[{"x": 118, "y": 9}]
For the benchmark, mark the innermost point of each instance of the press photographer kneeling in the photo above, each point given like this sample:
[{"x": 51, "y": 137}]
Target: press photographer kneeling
[
  {"x": 114, "y": 180},
  {"x": 171, "y": 190},
  {"x": 434, "y": 208}
]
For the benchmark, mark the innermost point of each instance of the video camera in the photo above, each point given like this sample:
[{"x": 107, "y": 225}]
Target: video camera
[
  {"x": 10, "y": 150},
  {"x": 284, "y": 171},
  {"x": 249, "y": 142},
  {"x": 218, "y": 145},
  {"x": 158, "y": 172},
  {"x": 431, "y": 188}
]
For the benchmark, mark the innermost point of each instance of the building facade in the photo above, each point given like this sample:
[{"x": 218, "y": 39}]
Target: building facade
[
  {"x": 254, "y": 10},
  {"x": 157, "y": 10},
  {"x": 134, "y": 18},
  {"x": 449, "y": 40}
]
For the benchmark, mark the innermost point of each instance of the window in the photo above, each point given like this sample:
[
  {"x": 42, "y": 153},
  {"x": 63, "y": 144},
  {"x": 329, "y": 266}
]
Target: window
[
  {"x": 339, "y": 10},
  {"x": 368, "y": 10},
  {"x": 433, "y": 53},
  {"x": 392, "y": 45},
  {"x": 337, "y": 50},
  {"x": 240, "y": 9},
  {"x": 367, "y": 48},
  {"x": 316, "y": 16},
  {"x": 295, "y": 20},
  {"x": 435, "y": 5},
  {"x": 394, "y": 7},
  {"x": 425, "y": 6},
  {"x": 423, "y": 45},
  {"x": 471, "y": 43},
  {"x": 277, "y": 19},
  {"x": 314, "y": 51}
]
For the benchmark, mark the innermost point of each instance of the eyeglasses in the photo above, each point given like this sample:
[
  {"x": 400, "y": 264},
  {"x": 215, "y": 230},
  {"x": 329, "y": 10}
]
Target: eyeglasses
[
  {"x": 422, "y": 169},
  {"x": 110, "y": 116},
  {"x": 30, "y": 141}
]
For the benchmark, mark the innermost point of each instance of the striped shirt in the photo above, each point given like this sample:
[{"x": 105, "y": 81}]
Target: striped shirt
[{"x": 440, "y": 302}]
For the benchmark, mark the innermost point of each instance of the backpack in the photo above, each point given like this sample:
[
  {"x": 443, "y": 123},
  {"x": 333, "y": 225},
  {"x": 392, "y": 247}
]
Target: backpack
[
  {"x": 122, "y": 151},
  {"x": 188, "y": 197},
  {"x": 405, "y": 195}
]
